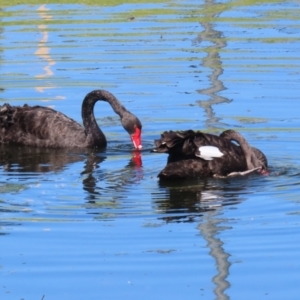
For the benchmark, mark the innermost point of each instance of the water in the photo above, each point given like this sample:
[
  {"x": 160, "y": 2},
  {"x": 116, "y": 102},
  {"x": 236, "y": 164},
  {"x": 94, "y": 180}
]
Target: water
[{"x": 86, "y": 224}]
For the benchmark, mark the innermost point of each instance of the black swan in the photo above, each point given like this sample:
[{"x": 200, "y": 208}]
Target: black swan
[
  {"x": 39, "y": 126},
  {"x": 198, "y": 154}
]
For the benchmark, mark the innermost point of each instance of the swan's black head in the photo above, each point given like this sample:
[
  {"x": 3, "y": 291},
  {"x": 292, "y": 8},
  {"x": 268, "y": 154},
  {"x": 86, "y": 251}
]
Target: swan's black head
[{"x": 134, "y": 127}]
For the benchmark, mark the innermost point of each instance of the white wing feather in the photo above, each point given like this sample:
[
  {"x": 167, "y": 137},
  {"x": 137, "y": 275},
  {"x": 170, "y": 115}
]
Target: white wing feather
[{"x": 209, "y": 152}]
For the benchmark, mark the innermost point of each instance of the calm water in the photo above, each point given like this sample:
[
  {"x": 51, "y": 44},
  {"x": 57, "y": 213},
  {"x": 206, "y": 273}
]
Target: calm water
[{"x": 99, "y": 225}]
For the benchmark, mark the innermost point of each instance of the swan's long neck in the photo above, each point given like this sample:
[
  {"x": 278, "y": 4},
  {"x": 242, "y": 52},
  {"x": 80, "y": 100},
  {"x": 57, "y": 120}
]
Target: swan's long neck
[
  {"x": 249, "y": 155},
  {"x": 251, "y": 159},
  {"x": 129, "y": 121},
  {"x": 92, "y": 129}
]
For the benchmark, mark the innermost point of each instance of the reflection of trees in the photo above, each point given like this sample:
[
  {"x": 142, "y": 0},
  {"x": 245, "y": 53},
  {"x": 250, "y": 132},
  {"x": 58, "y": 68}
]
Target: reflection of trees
[
  {"x": 209, "y": 227},
  {"x": 213, "y": 62},
  {"x": 210, "y": 231},
  {"x": 43, "y": 50}
]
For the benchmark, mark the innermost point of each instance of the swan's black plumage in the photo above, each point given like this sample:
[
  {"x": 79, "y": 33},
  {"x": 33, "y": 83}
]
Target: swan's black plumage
[
  {"x": 39, "y": 126},
  {"x": 184, "y": 161}
]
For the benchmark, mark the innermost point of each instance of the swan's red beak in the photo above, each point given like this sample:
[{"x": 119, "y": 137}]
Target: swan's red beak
[{"x": 136, "y": 138}]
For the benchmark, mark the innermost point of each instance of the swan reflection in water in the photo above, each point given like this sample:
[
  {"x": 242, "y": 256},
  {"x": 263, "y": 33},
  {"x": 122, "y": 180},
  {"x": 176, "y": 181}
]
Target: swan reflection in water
[
  {"x": 115, "y": 182},
  {"x": 188, "y": 200},
  {"x": 22, "y": 163},
  {"x": 202, "y": 201}
]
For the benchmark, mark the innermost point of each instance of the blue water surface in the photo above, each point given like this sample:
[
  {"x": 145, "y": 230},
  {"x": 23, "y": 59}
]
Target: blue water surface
[{"x": 98, "y": 224}]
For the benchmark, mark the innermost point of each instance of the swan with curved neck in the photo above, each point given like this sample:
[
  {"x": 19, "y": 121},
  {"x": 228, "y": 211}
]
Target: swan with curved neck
[
  {"x": 39, "y": 126},
  {"x": 198, "y": 154},
  {"x": 254, "y": 157}
]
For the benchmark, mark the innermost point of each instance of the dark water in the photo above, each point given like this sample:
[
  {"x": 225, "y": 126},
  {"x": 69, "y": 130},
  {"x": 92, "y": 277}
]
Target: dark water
[{"x": 87, "y": 224}]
